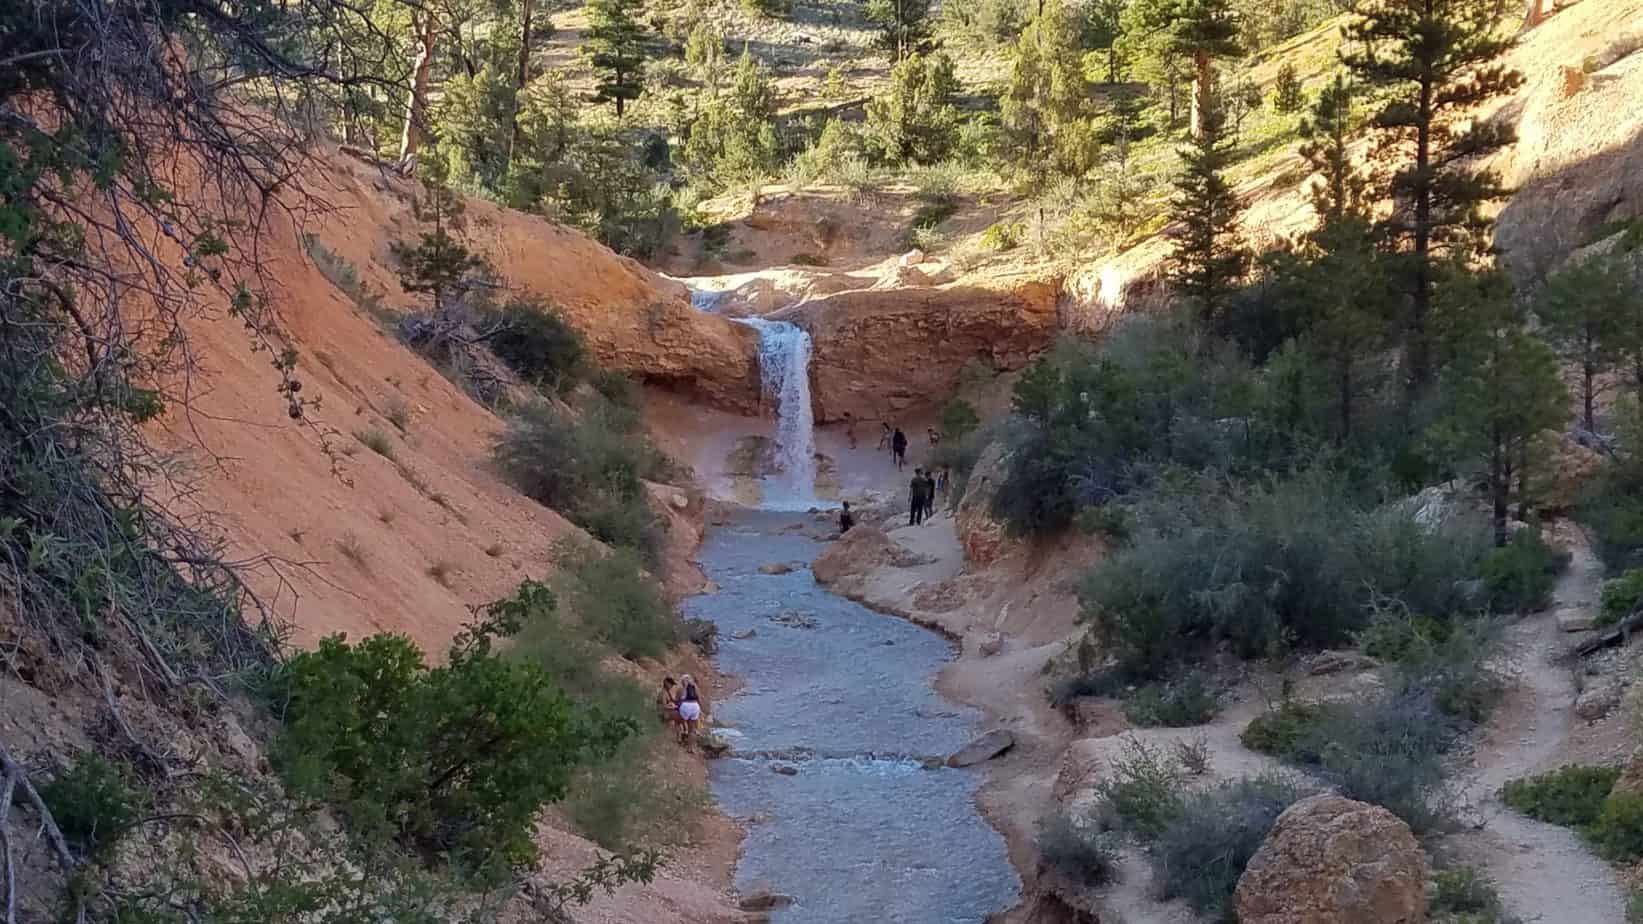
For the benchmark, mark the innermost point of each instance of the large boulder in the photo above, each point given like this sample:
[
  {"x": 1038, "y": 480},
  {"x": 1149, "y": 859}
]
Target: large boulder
[
  {"x": 858, "y": 552},
  {"x": 1330, "y": 860}
]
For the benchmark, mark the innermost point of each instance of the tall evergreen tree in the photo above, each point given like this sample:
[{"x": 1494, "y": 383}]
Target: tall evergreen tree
[
  {"x": 1326, "y": 131},
  {"x": 1104, "y": 32},
  {"x": 1433, "y": 61},
  {"x": 615, "y": 48},
  {"x": 916, "y": 121},
  {"x": 1207, "y": 260},
  {"x": 1197, "y": 31},
  {"x": 705, "y": 55},
  {"x": 1046, "y": 108},
  {"x": 904, "y": 25},
  {"x": 1504, "y": 389},
  {"x": 1584, "y": 312}
]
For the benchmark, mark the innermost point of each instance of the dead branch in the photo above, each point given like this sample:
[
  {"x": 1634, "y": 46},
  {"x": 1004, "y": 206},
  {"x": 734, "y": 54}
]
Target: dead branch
[
  {"x": 154, "y": 760},
  {"x": 1619, "y": 635},
  {"x": 5, "y": 849},
  {"x": 15, "y": 774}
]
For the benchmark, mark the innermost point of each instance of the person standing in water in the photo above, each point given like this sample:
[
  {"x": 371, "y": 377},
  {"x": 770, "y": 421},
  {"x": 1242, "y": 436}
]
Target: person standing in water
[
  {"x": 898, "y": 448},
  {"x": 916, "y": 499},
  {"x": 846, "y": 518}
]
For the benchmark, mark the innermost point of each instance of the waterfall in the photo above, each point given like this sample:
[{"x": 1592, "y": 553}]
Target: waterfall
[{"x": 784, "y": 366}]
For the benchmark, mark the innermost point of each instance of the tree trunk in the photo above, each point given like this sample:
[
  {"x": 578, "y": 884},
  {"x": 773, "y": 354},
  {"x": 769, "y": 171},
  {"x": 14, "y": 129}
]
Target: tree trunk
[
  {"x": 523, "y": 77},
  {"x": 1535, "y": 12},
  {"x": 1497, "y": 486},
  {"x": 1588, "y": 395},
  {"x": 1523, "y": 480},
  {"x": 1420, "y": 304},
  {"x": 410, "y": 139},
  {"x": 1345, "y": 381},
  {"x": 1203, "y": 85}
]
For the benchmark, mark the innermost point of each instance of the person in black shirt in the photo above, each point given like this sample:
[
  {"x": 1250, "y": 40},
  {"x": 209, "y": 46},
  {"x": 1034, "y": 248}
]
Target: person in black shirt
[
  {"x": 898, "y": 448},
  {"x": 846, "y": 519}
]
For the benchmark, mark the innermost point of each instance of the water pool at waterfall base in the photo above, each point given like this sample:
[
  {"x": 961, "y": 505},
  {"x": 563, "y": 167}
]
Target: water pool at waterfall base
[{"x": 867, "y": 827}]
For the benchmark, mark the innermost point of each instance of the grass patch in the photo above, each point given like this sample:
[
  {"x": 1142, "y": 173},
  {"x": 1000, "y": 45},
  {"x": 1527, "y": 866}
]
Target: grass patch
[
  {"x": 1282, "y": 730},
  {"x": 1570, "y": 796},
  {"x": 398, "y": 413},
  {"x": 1143, "y": 793},
  {"x": 1081, "y": 852},
  {"x": 441, "y": 571},
  {"x": 1175, "y": 704},
  {"x": 1465, "y": 896},
  {"x": 1620, "y": 597},
  {"x": 93, "y": 801},
  {"x": 614, "y": 600},
  {"x": 354, "y": 550},
  {"x": 343, "y": 274},
  {"x": 1199, "y": 855},
  {"x": 376, "y": 441}
]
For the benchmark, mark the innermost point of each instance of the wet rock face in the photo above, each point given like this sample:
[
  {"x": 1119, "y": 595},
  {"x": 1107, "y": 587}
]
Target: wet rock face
[
  {"x": 883, "y": 351},
  {"x": 1330, "y": 860}
]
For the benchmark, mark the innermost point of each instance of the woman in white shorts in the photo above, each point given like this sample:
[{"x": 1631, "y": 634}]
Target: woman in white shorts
[{"x": 690, "y": 705}]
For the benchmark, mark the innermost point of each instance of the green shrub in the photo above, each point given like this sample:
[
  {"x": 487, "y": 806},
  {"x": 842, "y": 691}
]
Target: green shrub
[
  {"x": 1201, "y": 852},
  {"x": 1282, "y": 731},
  {"x": 1288, "y": 90},
  {"x": 1618, "y": 832},
  {"x": 1143, "y": 791},
  {"x": 1387, "y": 751},
  {"x": 1392, "y": 634},
  {"x": 1634, "y": 907},
  {"x": 614, "y": 600},
  {"x": 958, "y": 419},
  {"x": 1465, "y": 896},
  {"x": 622, "y": 803},
  {"x": 1004, "y": 235},
  {"x": 1175, "y": 704},
  {"x": 589, "y": 466},
  {"x": 1519, "y": 576},
  {"x": 93, "y": 802},
  {"x": 1621, "y": 596},
  {"x": 457, "y": 758},
  {"x": 1570, "y": 796},
  {"x": 1453, "y": 666},
  {"x": 1081, "y": 852},
  {"x": 376, "y": 441},
  {"x": 536, "y": 343}
]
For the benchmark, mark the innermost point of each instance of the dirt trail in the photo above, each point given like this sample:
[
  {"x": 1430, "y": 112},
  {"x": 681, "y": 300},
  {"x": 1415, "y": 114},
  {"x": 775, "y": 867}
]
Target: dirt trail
[{"x": 1544, "y": 872}]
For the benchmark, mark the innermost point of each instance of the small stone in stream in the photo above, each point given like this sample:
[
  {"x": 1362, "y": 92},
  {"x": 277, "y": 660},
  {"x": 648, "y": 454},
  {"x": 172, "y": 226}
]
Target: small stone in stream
[
  {"x": 888, "y": 641},
  {"x": 715, "y": 745},
  {"x": 743, "y": 634},
  {"x": 764, "y": 901},
  {"x": 778, "y": 567},
  {"x": 986, "y": 747},
  {"x": 795, "y": 619},
  {"x": 785, "y": 770},
  {"x": 932, "y": 763},
  {"x": 991, "y": 644}
]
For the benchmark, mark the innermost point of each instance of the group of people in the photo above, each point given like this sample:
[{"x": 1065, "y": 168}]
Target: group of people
[
  {"x": 896, "y": 441},
  {"x": 680, "y": 704},
  {"x": 926, "y": 487}
]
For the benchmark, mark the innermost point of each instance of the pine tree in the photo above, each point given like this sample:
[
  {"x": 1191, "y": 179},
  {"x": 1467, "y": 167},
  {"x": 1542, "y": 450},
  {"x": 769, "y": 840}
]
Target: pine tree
[
  {"x": 1593, "y": 311},
  {"x": 439, "y": 262},
  {"x": 1207, "y": 260},
  {"x": 1504, "y": 391},
  {"x": 1046, "y": 108},
  {"x": 1198, "y": 31},
  {"x": 615, "y": 48},
  {"x": 1326, "y": 131},
  {"x": 1432, "y": 60},
  {"x": 1287, "y": 96},
  {"x": 1104, "y": 31},
  {"x": 916, "y": 121},
  {"x": 705, "y": 55},
  {"x": 904, "y": 25}
]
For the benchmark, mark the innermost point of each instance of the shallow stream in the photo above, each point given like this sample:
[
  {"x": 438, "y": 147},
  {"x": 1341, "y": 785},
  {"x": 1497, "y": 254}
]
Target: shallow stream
[{"x": 864, "y": 829}]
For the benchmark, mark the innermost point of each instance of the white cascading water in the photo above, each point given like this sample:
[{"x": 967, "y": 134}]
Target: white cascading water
[{"x": 784, "y": 365}]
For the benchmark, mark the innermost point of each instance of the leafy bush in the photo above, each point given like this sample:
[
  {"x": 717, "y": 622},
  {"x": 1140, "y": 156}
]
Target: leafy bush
[
  {"x": 457, "y": 758},
  {"x": 1288, "y": 90},
  {"x": 536, "y": 343},
  {"x": 1143, "y": 792},
  {"x": 958, "y": 419},
  {"x": 1520, "y": 575},
  {"x": 93, "y": 802},
  {"x": 1201, "y": 852},
  {"x": 621, "y": 802},
  {"x": 1465, "y": 896},
  {"x": 1621, "y": 596},
  {"x": 1570, "y": 796},
  {"x": 1618, "y": 832},
  {"x": 376, "y": 441},
  {"x": 589, "y": 466},
  {"x": 1292, "y": 562},
  {"x": 1387, "y": 751},
  {"x": 1081, "y": 852},
  {"x": 614, "y": 600},
  {"x": 1282, "y": 731},
  {"x": 1175, "y": 704},
  {"x": 1457, "y": 671},
  {"x": 1003, "y": 235}
]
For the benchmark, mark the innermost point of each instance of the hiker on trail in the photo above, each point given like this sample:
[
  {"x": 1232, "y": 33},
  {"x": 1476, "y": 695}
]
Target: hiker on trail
[
  {"x": 898, "y": 448},
  {"x": 667, "y": 704},
  {"x": 690, "y": 708},
  {"x": 933, "y": 436},
  {"x": 917, "y": 500},
  {"x": 929, "y": 495},
  {"x": 846, "y": 519},
  {"x": 884, "y": 434},
  {"x": 941, "y": 483}
]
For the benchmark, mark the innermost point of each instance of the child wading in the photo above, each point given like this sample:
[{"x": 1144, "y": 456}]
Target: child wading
[{"x": 690, "y": 708}]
